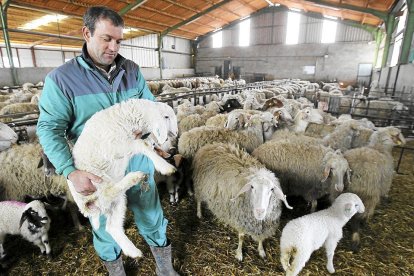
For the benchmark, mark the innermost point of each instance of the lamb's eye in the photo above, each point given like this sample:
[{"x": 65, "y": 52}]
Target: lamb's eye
[
  {"x": 251, "y": 186},
  {"x": 272, "y": 190},
  {"x": 166, "y": 117},
  {"x": 356, "y": 205}
]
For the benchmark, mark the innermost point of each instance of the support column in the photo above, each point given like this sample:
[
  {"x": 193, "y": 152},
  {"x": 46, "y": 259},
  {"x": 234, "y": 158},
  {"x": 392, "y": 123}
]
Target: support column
[
  {"x": 3, "y": 17},
  {"x": 160, "y": 53},
  {"x": 390, "y": 24},
  {"x": 378, "y": 38},
  {"x": 408, "y": 34}
]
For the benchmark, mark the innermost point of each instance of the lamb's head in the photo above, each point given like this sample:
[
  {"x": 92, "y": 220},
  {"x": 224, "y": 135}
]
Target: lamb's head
[
  {"x": 262, "y": 185},
  {"x": 335, "y": 165},
  {"x": 7, "y": 133},
  {"x": 348, "y": 204},
  {"x": 36, "y": 216},
  {"x": 164, "y": 127}
]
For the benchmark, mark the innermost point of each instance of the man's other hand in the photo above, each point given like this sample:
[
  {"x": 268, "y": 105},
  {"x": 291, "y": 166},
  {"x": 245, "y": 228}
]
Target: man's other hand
[{"x": 82, "y": 181}]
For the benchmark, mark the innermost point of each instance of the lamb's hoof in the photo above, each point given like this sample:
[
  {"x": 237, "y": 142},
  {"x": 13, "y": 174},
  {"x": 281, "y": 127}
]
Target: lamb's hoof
[
  {"x": 133, "y": 253},
  {"x": 262, "y": 254},
  {"x": 239, "y": 256},
  {"x": 137, "y": 177},
  {"x": 330, "y": 269}
]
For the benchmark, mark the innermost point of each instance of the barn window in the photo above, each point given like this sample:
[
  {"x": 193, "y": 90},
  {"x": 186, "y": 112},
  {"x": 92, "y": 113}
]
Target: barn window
[
  {"x": 292, "y": 32},
  {"x": 329, "y": 30},
  {"x": 218, "y": 40},
  {"x": 244, "y": 33}
]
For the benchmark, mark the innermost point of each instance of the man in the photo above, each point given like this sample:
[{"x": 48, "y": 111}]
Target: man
[{"x": 72, "y": 93}]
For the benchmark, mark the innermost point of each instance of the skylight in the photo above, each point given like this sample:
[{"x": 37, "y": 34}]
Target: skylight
[
  {"x": 244, "y": 33},
  {"x": 292, "y": 33},
  {"x": 44, "y": 20}
]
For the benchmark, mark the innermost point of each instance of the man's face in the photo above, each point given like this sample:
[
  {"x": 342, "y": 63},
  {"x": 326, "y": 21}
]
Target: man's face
[{"x": 103, "y": 45}]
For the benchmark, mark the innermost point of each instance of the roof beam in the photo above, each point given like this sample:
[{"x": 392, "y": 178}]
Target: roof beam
[
  {"x": 194, "y": 17},
  {"x": 131, "y": 7},
  {"x": 379, "y": 14},
  {"x": 52, "y": 39}
]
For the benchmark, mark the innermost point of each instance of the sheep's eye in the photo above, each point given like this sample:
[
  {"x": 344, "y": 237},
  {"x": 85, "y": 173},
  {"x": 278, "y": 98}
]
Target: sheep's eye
[
  {"x": 356, "y": 205},
  {"x": 251, "y": 186},
  {"x": 272, "y": 190},
  {"x": 166, "y": 117}
]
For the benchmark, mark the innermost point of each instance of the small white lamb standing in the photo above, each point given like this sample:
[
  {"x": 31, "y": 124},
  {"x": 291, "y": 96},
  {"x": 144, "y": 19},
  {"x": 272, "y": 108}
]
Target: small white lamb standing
[
  {"x": 28, "y": 220},
  {"x": 303, "y": 235},
  {"x": 106, "y": 145}
]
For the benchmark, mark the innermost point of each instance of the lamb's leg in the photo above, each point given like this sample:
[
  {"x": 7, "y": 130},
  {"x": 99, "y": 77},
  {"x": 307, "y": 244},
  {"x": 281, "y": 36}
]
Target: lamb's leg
[
  {"x": 128, "y": 181},
  {"x": 2, "y": 255},
  {"x": 115, "y": 227},
  {"x": 239, "y": 251},
  {"x": 355, "y": 226},
  {"x": 45, "y": 241},
  {"x": 330, "y": 246},
  {"x": 199, "y": 215},
  {"x": 261, "y": 250},
  {"x": 173, "y": 188},
  {"x": 314, "y": 205},
  {"x": 298, "y": 263},
  {"x": 160, "y": 164},
  {"x": 39, "y": 244},
  {"x": 73, "y": 210}
]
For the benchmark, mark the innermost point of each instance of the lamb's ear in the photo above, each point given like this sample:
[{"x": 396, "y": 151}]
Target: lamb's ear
[
  {"x": 326, "y": 173},
  {"x": 26, "y": 215},
  {"x": 245, "y": 188},
  {"x": 348, "y": 210},
  {"x": 178, "y": 158}
]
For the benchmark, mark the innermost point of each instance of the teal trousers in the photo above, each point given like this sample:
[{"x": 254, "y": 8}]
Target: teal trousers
[{"x": 148, "y": 215}]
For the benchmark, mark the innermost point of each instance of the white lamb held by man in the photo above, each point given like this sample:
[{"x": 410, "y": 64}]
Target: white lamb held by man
[
  {"x": 111, "y": 137},
  {"x": 303, "y": 235}
]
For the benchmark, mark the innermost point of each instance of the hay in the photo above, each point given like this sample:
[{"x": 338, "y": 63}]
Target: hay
[{"x": 206, "y": 247}]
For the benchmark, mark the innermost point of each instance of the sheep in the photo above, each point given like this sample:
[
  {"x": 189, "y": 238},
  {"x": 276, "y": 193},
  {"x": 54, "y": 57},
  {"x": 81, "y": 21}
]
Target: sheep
[
  {"x": 304, "y": 168},
  {"x": 301, "y": 236},
  {"x": 28, "y": 220},
  {"x": 239, "y": 191},
  {"x": 19, "y": 108},
  {"x": 105, "y": 147},
  {"x": 196, "y": 120},
  {"x": 218, "y": 120},
  {"x": 319, "y": 130},
  {"x": 249, "y": 138},
  {"x": 7, "y": 137},
  {"x": 21, "y": 175},
  {"x": 372, "y": 172}
]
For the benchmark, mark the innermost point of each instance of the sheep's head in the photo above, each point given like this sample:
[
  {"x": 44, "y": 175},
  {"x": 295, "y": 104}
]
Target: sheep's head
[
  {"x": 7, "y": 133},
  {"x": 336, "y": 166},
  {"x": 262, "y": 185},
  {"x": 388, "y": 137},
  {"x": 349, "y": 204},
  {"x": 35, "y": 215},
  {"x": 236, "y": 120},
  {"x": 165, "y": 128}
]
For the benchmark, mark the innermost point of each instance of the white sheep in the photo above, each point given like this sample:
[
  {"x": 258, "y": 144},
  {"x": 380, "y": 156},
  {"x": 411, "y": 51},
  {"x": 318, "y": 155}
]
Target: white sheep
[
  {"x": 239, "y": 191},
  {"x": 305, "y": 168},
  {"x": 7, "y": 136},
  {"x": 301, "y": 236},
  {"x": 28, "y": 220},
  {"x": 372, "y": 173},
  {"x": 105, "y": 147}
]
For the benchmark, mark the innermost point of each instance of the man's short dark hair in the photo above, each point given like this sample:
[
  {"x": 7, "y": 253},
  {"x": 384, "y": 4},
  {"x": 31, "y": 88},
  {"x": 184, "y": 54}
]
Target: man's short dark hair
[{"x": 93, "y": 14}]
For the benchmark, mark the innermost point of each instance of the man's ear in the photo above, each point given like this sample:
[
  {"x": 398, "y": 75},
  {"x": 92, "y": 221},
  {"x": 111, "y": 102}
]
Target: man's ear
[{"x": 86, "y": 33}]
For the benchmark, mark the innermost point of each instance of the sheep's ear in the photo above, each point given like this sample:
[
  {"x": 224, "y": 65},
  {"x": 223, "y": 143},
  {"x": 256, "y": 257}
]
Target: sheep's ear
[
  {"x": 326, "y": 173},
  {"x": 245, "y": 188},
  {"x": 25, "y": 216},
  {"x": 40, "y": 163},
  {"x": 348, "y": 175},
  {"x": 348, "y": 210}
]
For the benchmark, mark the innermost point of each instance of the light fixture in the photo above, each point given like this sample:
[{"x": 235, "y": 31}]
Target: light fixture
[
  {"x": 129, "y": 29},
  {"x": 270, "y": 3},
  {"x": 44, "y": 20}
]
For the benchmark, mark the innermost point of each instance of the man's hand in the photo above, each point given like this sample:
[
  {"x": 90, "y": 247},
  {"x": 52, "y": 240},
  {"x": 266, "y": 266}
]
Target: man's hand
[{"x": 82, "y": 182}]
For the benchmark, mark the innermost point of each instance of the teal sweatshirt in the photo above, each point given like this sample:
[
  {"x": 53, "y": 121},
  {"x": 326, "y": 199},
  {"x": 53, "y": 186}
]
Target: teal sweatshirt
[{"x": 75, "y": 91}]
